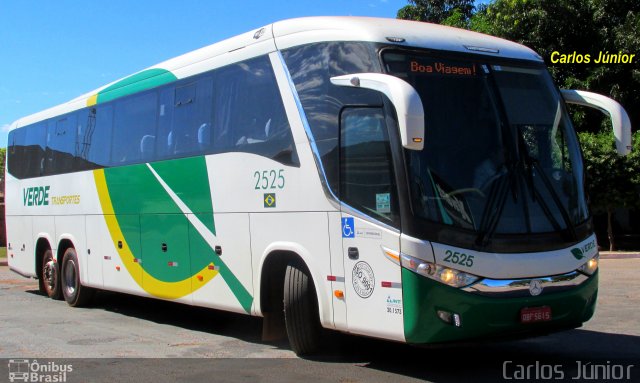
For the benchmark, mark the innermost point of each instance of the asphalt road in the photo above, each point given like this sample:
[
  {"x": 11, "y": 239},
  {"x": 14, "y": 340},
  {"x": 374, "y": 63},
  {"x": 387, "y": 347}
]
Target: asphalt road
[{"x": 126, "y": 338}]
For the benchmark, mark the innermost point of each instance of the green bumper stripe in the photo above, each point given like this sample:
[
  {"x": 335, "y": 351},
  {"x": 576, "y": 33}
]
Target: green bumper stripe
[{"x": 483, "y": 316}]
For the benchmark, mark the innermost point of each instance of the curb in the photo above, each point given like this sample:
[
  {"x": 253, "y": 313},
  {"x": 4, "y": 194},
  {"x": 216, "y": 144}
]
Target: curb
[
  {"x": 618, "y": 255},
  {"x": 3, "y": 262}
]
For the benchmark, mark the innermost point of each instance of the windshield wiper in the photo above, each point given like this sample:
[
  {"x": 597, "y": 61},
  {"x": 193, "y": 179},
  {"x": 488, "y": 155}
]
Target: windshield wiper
[
  {"x": 495, "y": 204},
  {"x": 531, "y": 165}
]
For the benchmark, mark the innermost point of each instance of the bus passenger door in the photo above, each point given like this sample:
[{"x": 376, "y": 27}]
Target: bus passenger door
[{"x": 369, "y": 222}]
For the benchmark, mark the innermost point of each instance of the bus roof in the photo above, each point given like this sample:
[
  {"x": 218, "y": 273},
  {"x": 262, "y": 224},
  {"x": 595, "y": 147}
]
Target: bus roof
[{"x": 294, "y": 32}]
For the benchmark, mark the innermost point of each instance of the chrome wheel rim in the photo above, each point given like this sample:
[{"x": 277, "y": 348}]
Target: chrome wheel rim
[
  {"x": 70, "y": 277},
  {"x": 49, "y": 274}
]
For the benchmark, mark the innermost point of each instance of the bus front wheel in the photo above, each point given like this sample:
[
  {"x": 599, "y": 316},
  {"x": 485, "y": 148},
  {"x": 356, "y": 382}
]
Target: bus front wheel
[
  {"x": 301, "y": 309},
  {"x": 74, "y": 293},
  {"x": 50, "y": 280}
]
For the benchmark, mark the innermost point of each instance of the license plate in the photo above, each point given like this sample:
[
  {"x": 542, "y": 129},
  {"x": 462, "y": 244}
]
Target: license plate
[{"x": 535, "y": 314}]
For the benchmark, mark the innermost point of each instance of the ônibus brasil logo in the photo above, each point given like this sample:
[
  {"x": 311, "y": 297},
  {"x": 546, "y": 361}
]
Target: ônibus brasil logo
[
  {"x": 24, "y": 370},
  {"x": 580, "y": 252}
]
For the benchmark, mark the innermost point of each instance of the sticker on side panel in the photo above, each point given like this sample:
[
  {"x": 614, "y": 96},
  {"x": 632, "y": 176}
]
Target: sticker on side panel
[
  {"x": 368, "y": 233},
  {"x": 363, "y": 279},
  {"x": 270, "y": 200},
  {"x": 394, "y": 305},
  {"x": 348, "y": 229},
  {"x": 383, "y": 203}
]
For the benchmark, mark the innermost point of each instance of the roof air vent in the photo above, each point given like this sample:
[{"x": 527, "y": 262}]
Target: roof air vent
[
  {"x": 396, "y": 39},
  {"x": 482, "y": 49}
]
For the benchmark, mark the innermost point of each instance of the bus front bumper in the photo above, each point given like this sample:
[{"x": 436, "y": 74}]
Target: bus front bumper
[{"x": 478, "y": 316}]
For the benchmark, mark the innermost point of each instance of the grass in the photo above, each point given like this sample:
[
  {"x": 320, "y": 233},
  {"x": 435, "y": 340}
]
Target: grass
[{"x": 3, "y": 252}]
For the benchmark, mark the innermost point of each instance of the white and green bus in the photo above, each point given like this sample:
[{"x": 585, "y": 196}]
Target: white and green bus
[{"x": 393, "y": 179}]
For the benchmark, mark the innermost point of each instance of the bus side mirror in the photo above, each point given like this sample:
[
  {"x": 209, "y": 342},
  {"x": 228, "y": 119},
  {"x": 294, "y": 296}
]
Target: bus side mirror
[
  {"x": 619, "y": 116},
  {"x": 404, "y": 98}
]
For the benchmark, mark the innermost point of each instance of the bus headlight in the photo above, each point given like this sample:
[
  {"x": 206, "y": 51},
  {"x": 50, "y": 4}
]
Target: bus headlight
[
  {"x": 590, "y": 266},
  {"x": 451, "y": 277}
]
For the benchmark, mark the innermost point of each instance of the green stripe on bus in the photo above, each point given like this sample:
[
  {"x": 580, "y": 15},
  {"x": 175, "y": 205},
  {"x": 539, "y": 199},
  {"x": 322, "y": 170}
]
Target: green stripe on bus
[
  {"x": 148, "y": 217},
  {"x": 483, "y": 316},
  {"x": 138, "y": 82},
  {"x": 189, "y": 179}
]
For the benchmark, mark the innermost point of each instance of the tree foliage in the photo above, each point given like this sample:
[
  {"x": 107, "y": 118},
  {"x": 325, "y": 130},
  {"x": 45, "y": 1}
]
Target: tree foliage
[
  {"x": 564, "y": 26},
  {"x": 436, "y": 11},
  {"x": 580, "y": 26},
  {"x": 3, "y": 156},
  {"x": 612, "y": 181}
]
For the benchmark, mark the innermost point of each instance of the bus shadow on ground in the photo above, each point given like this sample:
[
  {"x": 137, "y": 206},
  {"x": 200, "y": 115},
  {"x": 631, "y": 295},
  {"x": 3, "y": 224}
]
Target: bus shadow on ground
[
  {"x": 547, "y": 356},
  {"x": 574, "y": 355},
  {"x": 201, "y": 319},
  {"x": 193, "y": 318}
]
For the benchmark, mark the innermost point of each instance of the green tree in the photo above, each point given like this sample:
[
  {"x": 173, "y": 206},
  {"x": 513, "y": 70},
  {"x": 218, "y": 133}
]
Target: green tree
[
  {"x": 436, "y": 11},
  {"x": 581, "y": 26},
  {"x": 612, "y": 180},
  {"x": 3, "y": 156}
]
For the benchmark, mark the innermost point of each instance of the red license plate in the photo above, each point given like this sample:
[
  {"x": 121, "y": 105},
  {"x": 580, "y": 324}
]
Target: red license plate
[{"x": 535, "y": 314}]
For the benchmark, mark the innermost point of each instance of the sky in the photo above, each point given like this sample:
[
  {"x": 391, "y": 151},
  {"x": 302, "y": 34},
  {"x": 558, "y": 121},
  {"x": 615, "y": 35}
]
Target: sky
[{"x": 54, "y": 51}]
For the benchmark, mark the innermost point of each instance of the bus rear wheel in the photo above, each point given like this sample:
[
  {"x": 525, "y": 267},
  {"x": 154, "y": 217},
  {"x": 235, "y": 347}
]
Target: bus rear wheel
[
  {"x": 301, "y": 316},
  {"x": 50, "y": 280},
  {"x": 74, "y": 293}
]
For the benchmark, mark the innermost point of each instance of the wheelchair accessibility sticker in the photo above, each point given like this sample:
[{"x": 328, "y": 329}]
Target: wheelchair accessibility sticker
[{"x": 348, "y": 229}]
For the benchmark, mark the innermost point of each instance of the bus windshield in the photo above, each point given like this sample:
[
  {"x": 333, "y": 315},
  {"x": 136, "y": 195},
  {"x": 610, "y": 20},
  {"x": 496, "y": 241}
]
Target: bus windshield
[{"x": 500, "y": 154}]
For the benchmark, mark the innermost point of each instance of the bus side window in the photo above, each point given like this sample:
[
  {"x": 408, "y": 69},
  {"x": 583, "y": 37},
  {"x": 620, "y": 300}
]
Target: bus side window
[
  {"x": 98, "y": 139},
  {"x": 34, "y": 149},
  {"x": 165, "y": 120},
  {"x": 190, "y": 131},
  {"x": 61, "y": 142},
  {"x": 180, "y": 139},
  {"x": 16, "y": 160},
  {"x": 249, "y": 115},
  {"x": 367, "y": 180},
  {"x": 134, "y": 129}
]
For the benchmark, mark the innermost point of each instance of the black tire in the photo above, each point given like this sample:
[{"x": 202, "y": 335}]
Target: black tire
[
  {"x": 50, "y": 280},
  {"x": 74, "y": 293},
  {"x": 301, "y": 310}
]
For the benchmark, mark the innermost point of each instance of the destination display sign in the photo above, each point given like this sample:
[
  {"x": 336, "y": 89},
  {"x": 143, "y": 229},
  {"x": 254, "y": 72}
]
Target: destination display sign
[{"x": 427, "y": 66}]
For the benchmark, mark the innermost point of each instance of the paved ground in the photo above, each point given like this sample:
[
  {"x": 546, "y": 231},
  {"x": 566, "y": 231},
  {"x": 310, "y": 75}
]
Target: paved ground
[{"x": 208, "y": 345}]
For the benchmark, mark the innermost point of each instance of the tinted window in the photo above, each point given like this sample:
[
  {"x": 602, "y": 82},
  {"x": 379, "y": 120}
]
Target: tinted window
[
  {"x": 164, "y": 145},
  {"x": 248, "y": 113},
  {"x": 97, "y": 136},
  {"x": 35, "y": 143},
  {"x": 235, "y": 108},
  {"x": 311, "y": 67},
  {"x": 15, "y": 158},
  {"x": 191, "y": 118},
  {"x": 61, "y": 137},
  {"x": 366, "y": 173},
  {"x": 134, "y": 129}
]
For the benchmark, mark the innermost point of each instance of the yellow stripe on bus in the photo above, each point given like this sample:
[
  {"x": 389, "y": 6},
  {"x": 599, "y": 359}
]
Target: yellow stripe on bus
[
  {"x": 154, "y": 286},
  {"x": 91, "y": 101}
]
